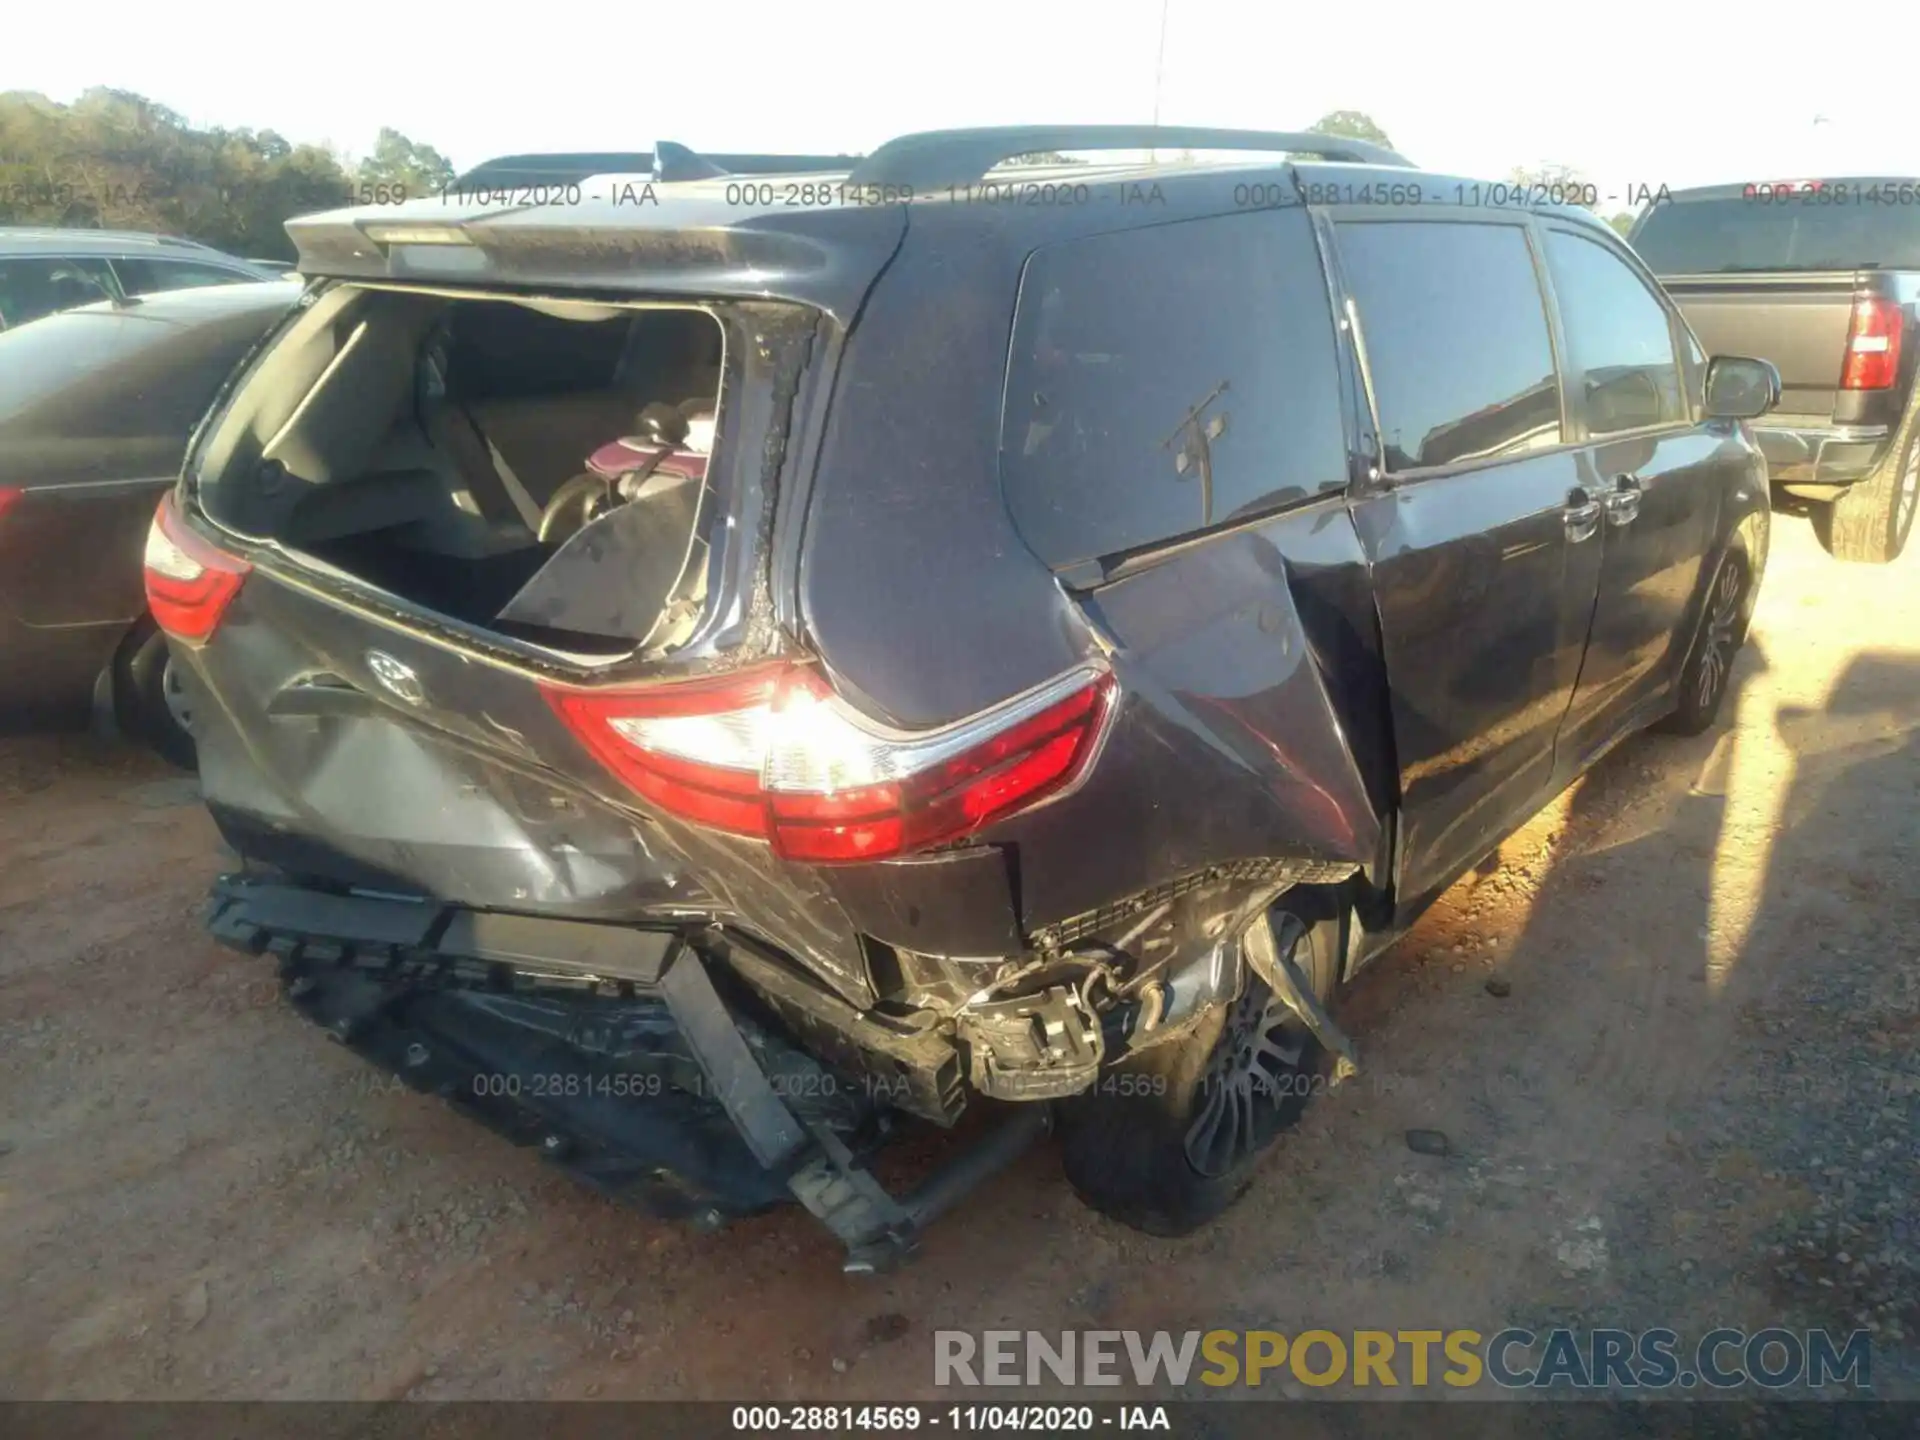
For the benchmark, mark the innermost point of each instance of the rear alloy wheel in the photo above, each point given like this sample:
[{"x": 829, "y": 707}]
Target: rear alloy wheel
[
  {"x": 174, "y": 695},
  {"x": 1871, "y": 522},
  {"x": 152, "y": 704},
  {"x": 1262, "y": 1047},
  {"x": 1172, "y": 1136},
  {"x": 1723, "y": 629}
]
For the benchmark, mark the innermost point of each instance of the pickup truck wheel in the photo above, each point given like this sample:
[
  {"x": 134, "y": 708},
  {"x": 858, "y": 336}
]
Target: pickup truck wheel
[
  {"x": 1723, "y": 629},
  {"x": 1870, "y": 523},
  {"x": 150, "y": 705},
  {"x": 1170, "y": 1137}
]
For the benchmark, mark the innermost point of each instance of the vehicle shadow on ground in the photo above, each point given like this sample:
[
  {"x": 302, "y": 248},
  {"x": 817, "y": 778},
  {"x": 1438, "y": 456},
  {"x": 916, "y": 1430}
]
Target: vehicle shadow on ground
[
  {"x": 1832, "y": 1000},
  {"x": 1710, "y": 1091},
  {"x": 1603, "y": 1032},
  {"x": 1658, "y": 1072},
  {"x": 1576, "y": 848},
  {"x": 1545, "y": 1016},
  {"x": 1593, "y": 1046},
  {"x": 1600, "y": 1077}
]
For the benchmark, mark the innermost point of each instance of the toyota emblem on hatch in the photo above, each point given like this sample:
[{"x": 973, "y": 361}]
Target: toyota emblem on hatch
[{"x": 396, "y": 678}]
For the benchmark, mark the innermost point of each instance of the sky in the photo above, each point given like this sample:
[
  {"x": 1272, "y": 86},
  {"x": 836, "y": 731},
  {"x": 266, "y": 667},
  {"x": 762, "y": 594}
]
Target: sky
[{"x": 1629, "y": 93}]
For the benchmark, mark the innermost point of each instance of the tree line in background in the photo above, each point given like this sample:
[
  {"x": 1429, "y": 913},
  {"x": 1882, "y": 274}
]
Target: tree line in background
[{"x": 119, "y": 161}]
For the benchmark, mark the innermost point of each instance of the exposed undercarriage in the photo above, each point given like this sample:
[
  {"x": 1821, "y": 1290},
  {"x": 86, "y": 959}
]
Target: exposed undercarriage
[{"x": 698, "y": 1072}]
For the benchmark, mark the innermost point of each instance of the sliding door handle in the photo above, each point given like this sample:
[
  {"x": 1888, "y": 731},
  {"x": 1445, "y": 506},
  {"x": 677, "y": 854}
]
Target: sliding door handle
[
  {"x": 1582, "y": 515},
  {"x": 1623, "y": 502}
]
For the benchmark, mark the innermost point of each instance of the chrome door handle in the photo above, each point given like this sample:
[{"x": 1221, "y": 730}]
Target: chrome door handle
[
  {"x": 1582, "y": 515},
  {"x": 1623, "y": 504}
]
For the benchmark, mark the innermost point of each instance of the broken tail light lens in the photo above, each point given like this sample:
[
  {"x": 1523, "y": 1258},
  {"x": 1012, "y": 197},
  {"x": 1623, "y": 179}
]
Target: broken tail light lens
[
  {"x": 694, "y": 749},
  {"x": 190, "y": 580},
  {"x": 777, "y": 755},
  {"x": 1873, "y": 345}
]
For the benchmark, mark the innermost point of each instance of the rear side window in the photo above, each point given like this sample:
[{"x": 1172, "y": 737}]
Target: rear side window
[
  {"x": 36, "y": 286},
  {"x": 152, "y": 277},
  {"x": 1456, "y": 340},
  {"x": 1618, "y": 336},
  {"x": 1167, "y": 379}
]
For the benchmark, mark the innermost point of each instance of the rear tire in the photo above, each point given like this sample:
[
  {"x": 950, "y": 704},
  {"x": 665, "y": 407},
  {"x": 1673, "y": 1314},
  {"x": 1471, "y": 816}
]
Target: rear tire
[
  {"x": 1871, "y": 522},
  {"x": 1705, "y": 677},
  {"x": 150, "y": 705},
  {"x": 1171, "y": 1137}
]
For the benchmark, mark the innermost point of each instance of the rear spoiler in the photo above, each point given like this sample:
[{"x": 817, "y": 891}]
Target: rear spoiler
[
  {"x": 699, "y": 246},
  {"x": 667, "y": 162}
]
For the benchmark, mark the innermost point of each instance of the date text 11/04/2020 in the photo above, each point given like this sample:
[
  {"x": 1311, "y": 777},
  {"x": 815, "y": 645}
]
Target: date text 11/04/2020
[
  {"x": 653, "y": 1084},
  {"x": 1128, "y": 193},
  {"x": 811, "y": 1084},
  {"x": 814, "y": 194},
  {"x": 989, "y": 1419},
  {"x": 625, "y": 191},
  {"x": 1520, "y": 194},
  {"x": 823, "y": 194}
]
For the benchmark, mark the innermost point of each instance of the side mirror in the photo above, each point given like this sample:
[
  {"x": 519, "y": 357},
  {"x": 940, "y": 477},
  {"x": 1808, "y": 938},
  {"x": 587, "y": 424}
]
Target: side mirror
[{"x": 1741, "y": 389}]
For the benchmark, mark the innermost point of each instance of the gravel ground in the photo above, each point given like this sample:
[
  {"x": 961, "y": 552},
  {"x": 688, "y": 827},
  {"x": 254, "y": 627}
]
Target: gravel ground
[{"x": 1694, "y": 1105}]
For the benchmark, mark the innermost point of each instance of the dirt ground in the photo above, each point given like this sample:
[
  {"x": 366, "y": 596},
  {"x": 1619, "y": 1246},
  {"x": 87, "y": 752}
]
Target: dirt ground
[{"x": 1697, "y": 1106}]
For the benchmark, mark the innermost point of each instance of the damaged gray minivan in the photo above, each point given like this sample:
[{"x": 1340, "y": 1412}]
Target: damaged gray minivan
[{"x": 696, "y": 676}]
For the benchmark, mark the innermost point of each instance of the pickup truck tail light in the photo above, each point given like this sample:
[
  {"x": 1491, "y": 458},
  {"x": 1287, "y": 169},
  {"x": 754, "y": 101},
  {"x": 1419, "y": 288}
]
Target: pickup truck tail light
[
  {"x": 190, "y": 580},
  {"x": 1873, "y": 346},
  {"x": 777, "y": 755},
  {"x": 9, "y": 497}
]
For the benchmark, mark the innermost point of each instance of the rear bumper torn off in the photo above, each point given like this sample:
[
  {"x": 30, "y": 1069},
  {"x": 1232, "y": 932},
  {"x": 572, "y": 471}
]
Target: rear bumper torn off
[{"x": 608, "y": 1048}]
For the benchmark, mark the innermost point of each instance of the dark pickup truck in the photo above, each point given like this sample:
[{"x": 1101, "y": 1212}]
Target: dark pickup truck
[{"x": 1822, "y": 277}]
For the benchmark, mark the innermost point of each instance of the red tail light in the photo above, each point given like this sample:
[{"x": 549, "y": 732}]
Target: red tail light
[
  {"x": 1873, "y": 346},
  {"x": 190, "y": 580},
  {"x": 776, "y": 754},
  {"x": 9, "y": 497}
]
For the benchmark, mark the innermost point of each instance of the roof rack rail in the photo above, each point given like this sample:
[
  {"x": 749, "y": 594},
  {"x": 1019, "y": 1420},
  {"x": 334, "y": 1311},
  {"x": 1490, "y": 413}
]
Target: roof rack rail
[
  {"x": 673, "y": 161},
  {"x": 959, "y": 157},
  {"x": 101, "y": 233}
]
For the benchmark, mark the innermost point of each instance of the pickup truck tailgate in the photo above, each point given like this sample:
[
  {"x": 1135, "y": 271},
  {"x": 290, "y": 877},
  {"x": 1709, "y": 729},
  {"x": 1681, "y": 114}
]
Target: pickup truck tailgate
[{"x": 1798, "y": 320}]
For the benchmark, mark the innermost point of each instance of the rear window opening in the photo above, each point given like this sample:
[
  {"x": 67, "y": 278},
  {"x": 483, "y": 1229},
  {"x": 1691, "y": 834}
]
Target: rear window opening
[
  {"x": 1729, "y": 234},
  {"x": 539, "y": 468}
]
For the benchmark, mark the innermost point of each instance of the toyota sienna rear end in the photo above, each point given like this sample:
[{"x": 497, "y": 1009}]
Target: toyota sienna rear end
[{"x": 644, "y": 726}]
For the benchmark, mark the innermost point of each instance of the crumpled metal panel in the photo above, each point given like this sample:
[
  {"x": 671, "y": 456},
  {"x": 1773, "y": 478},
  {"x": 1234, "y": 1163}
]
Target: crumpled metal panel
[{"x": 476, "y": 795}]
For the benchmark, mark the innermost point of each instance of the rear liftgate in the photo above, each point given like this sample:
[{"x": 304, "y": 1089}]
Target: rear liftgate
[{"x": 610, "y": 1050}]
